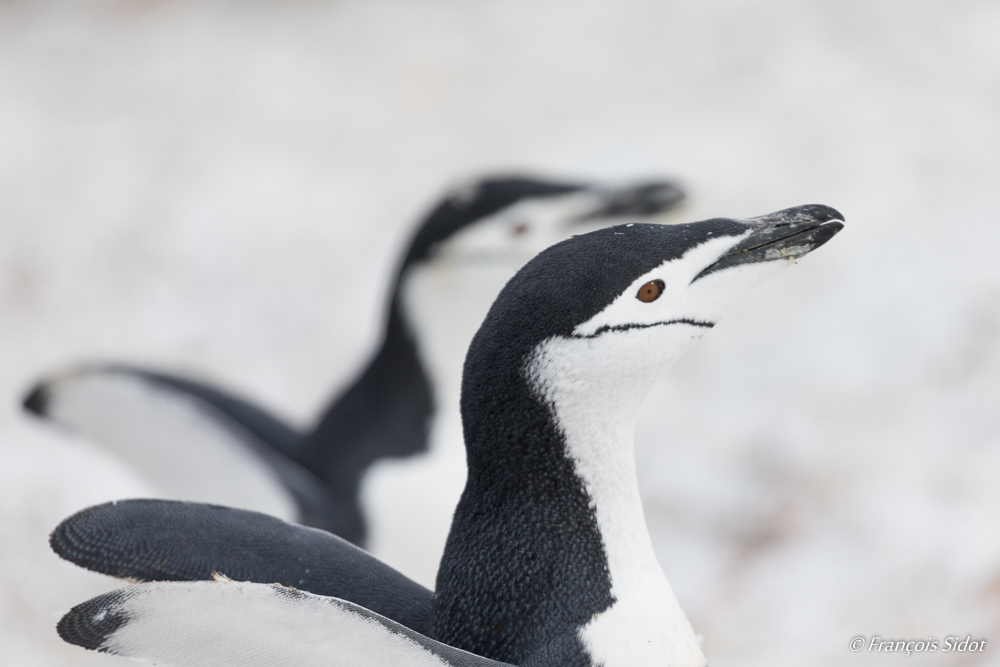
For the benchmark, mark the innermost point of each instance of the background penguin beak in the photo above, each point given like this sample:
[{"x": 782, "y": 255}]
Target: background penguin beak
[
  {"x": 787, "y": 234},
  {"x": 640, "y": 200}
]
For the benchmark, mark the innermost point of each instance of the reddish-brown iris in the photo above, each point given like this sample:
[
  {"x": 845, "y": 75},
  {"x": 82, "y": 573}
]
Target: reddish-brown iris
[{"x": 651, "y": 291}]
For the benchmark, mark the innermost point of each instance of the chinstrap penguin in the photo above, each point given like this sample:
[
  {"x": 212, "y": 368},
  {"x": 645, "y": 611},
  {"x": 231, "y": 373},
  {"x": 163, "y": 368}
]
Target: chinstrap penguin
[
  {"x": 548, "y": 562},
  {"x": 384, "y": 465}
]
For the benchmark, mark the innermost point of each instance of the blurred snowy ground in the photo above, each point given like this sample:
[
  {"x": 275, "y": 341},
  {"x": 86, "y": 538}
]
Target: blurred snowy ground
[{"x": 222, "y": 188}]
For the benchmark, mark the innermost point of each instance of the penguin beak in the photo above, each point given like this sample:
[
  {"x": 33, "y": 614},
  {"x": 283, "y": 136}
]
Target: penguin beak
[
  {"x": 640, "y": 201},
  {"x": 787, "y": 234}
]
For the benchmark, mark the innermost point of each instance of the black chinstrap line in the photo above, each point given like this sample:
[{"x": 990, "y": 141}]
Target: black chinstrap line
[{"x": 625, "y": 327}]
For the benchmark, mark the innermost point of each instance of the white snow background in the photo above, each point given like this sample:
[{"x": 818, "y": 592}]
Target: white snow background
[{"x": 222, "y": 188}]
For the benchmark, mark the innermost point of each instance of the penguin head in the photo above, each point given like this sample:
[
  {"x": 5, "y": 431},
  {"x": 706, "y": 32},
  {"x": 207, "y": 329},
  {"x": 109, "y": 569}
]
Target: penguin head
[{"x": 604, "y": 314}]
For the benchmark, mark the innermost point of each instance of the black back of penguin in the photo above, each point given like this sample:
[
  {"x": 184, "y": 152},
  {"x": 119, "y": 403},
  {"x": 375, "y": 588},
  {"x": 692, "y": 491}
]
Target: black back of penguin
[{"x": 525, "y": 566}]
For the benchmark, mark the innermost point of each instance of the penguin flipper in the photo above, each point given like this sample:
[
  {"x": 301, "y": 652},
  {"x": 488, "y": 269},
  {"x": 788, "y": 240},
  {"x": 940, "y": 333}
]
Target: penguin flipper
[
  {"x": 194, "y": 442},
  {"x": 163, "y": 540},
  {"x": 254, "y": 419},
  {"x": 228, "y": 623}
]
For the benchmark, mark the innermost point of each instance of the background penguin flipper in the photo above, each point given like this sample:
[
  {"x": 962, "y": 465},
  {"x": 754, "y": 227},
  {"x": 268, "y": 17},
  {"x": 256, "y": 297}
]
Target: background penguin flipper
[
  {"x": 228, "y": 623},
  {"x": 176, "y": 439},
  {"x": 263, "y": 425},
  {"x": 195, "y": 442},
  {"x": 161, "y": 540}
]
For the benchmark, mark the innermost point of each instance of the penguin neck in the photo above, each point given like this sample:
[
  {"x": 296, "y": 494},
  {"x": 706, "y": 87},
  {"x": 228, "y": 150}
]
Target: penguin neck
[
  {"x": 594, "y": 401},
  {"x": 553, "y": 502},
  {"x": 596, "y": 419},
  {"x": 524, "y": 554}
]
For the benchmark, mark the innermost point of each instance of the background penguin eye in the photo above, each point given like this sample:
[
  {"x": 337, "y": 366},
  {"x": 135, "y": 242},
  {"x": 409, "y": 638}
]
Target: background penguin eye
[
  {"x": 651, "y": 291},
  {"x": 519, "y": 229}
]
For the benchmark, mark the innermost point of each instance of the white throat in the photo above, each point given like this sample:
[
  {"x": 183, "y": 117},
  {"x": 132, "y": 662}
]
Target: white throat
[{"x": 595, "y": 400}]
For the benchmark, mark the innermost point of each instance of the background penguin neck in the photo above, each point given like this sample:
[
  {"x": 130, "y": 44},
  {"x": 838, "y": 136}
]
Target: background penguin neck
[
  {"x": 444, "y": 301},
  {"x": 385, "y": 412},
  {"x": 408, "y": 501}
]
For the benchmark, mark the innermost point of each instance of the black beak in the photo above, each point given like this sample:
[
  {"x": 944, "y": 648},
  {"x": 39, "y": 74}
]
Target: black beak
[
  {"x": 640, "y": 201},
  {"x": 787, "y": 234}
]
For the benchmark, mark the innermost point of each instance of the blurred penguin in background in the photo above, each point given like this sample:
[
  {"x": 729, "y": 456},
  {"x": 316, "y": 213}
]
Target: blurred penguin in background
[{"x": 385, "y": 464}]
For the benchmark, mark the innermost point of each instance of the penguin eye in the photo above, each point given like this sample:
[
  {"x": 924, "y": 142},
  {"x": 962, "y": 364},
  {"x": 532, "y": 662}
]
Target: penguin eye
[
  {"x": 651, "y": 291},
  {"x": 519, "y": 229}
]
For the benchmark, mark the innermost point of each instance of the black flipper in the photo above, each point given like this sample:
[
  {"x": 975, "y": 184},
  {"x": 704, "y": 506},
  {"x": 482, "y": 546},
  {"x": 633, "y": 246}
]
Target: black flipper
[{"x": 161, "y": 540}]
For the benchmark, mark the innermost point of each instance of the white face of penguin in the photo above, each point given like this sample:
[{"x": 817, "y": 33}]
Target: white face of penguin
[{"x": 612, "y": 359}]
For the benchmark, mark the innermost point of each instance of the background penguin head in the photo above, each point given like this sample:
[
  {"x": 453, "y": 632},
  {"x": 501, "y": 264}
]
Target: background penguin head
[
  {"x": 474, "y": 241},
  {"x": 604, "y": 314},
  {"x": 514, "y": 218}
]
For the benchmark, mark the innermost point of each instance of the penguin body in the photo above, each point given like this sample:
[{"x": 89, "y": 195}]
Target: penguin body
[
  {"x": 363, "y": 472},
  {"x": 548, "y": 562}
]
